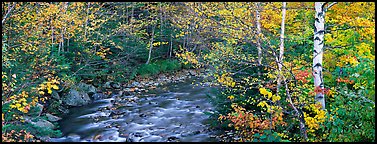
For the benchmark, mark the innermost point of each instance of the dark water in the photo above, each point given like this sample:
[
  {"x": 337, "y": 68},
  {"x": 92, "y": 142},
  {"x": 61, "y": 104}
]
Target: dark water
[{"x": 173, "y": 114}]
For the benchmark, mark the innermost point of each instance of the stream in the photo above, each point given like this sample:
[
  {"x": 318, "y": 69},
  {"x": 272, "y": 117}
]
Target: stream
[{"x": 173, "y": 112}]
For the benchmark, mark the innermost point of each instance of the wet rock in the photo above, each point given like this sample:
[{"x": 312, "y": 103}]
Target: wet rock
[
  {"x": 98, "y": 96},
  {"x": 135, "y": 84},
  {"x": 87, "y": 88},
  {"x": 43, "y": 123},
  {"x": 115, "y": 85},
  {"x": 76, "y": 98},
  {"x": 63, "y": 109},
  {"x": 138, "y": 134},
  {"x": 55, "y": 95},
  {"x": 40, "y": 108},
  {"x": 52, "y": 118},
  {"x": 172, "y": 138},
  {"x": 206, "y": 84},
  {"x": 196, "y": 132},
  {"x": 192, "y": 72},
  {"x": 97, "y": 137},
  {"x": 107, "y": 85},
  {"x": 45, "y": 138}
]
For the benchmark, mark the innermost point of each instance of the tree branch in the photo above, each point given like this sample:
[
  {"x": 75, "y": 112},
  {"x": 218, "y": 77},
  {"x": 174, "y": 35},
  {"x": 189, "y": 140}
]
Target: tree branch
[
  {"x": 6, "y": 15},
  {"x": 330, "y": 5}
]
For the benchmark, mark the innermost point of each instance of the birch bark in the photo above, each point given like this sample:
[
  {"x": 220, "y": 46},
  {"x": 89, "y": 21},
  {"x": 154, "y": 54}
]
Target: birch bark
[
  {"x": 319, "y": 31},
  {"x": 151, "y": 46},
  {"x": 280, "y": 60}
]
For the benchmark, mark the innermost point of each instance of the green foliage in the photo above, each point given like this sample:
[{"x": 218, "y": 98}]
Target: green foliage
[
  {"x": 346, "y": 122},
  {"x": 163, "y": 66},
  {"x": 268, "y": 136}
]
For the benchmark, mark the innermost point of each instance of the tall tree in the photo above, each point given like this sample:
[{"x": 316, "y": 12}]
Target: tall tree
[
  {"x": 281, "y": 53},
  {"x": 151, "y": 45},
  {"x": 257, "y": 11},
  {"x": 319, "y": 32}
]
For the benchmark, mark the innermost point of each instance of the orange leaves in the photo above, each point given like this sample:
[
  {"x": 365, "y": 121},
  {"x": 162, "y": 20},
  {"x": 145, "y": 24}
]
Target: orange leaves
[
  {"x": 319, "y": 90},
  {"x": 247, "y": 123},
  {"x": 302, "y": 76},
  {"x": 345, "y": 80}
]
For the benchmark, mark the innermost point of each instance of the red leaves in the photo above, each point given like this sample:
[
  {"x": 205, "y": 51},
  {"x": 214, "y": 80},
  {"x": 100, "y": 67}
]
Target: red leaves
[
  {"x": 347, "y": 81},
  {"x": 302, "y": 76},
  {"x": 319, "y": 90}
]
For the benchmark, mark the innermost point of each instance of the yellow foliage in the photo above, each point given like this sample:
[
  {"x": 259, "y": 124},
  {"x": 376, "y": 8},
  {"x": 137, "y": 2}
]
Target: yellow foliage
[
  {"x": 226, "y": 80},
  {"x": 52, "y": 83}
]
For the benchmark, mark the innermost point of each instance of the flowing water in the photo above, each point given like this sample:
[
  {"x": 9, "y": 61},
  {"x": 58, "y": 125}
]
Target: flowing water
[{"x": 175, "y": 113}]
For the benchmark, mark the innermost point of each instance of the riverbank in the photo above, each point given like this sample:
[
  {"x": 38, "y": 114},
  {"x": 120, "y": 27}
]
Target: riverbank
[{"x": 161, "y": 109}]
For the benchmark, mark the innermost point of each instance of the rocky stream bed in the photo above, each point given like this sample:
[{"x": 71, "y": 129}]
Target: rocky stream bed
[{"x": 161, "y": 110}]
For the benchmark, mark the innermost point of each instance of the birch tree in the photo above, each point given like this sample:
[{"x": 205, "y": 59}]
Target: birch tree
[
  {"x": 151, "y": 45},
  {"x": 257, "y": 11},
  {"x": 280, "y": 59},
  {"x": 319, "y": 33}
]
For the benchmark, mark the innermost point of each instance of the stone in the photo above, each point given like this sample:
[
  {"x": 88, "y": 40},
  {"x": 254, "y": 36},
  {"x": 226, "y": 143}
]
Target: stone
[
  {"x": 192, "y": 72},
  {"x": 135, "y": 84},
  {"x": 63, "y": 109},
  {"x": 107, "y": 85},
  {"x": 52, "y": 118},
  {"x": 87, "y": 88},
  {"x": 45, "y": 138},
  {"x": 76, "y": 98},
  {"x": 55, "y": 95},
  {"x": 115, "y": 85},
  {"x": 40, "y": 106},
  {"x": 43, "y": 123},
  {"x": 98, "y": 96}
]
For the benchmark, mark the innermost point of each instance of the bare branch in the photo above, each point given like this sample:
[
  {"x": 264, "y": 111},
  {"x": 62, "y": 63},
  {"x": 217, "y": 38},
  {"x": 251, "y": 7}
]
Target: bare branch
[
  {"x": 9, "y": 11},
  {"x": 330, "y": 5}
]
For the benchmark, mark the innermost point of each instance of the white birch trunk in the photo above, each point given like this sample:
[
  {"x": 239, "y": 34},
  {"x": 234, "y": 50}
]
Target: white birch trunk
[
  {"x": 258, "y": 34},
  {"x": 319, "y": 31},
  {"x": 281, "y": 45},
  {"x": 151, "y": 46}
]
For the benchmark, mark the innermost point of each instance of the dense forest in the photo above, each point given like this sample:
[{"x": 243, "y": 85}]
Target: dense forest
[{"x": 286, "y": 71}]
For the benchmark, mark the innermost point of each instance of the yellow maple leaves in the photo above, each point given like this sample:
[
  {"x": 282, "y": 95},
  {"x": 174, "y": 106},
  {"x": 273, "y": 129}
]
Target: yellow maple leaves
[
  {"x": 269, "y": 95},
  {"x": 314, "y": 122},
  {"x": 226, "y": 80},
  {"x": 52, "y": 83},
  {"x": 19, "y": 102},
  {"x": 188, "y": 57}
]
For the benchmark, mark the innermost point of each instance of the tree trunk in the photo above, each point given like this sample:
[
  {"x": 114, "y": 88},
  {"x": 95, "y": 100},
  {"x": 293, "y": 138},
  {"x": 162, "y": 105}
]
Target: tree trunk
[
  {"x": 171, "y": 45},
  {"x": 132, "y": 16},
  {"x": 86, "y": 22},
  {"x": 151, "y": 46},
  {"x": 280, "y": 59},
  {"x": 258, "y": 34},
  {"x": 319, "y": 31}
]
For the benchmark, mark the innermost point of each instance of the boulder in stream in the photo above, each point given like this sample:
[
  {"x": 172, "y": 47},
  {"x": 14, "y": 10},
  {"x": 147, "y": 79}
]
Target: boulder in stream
[
  {"x": 40, "y": 108},
  {"x": 76, "y": 98},
  {"x": 44, "y": 123},
  {"x": 55, "y": 95},
  {"x": 87, "y": 88},
  {"x": 98, "y": 96},
  {"x": 52, "y": 118},
  {"x": 192, "y": 72}
]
